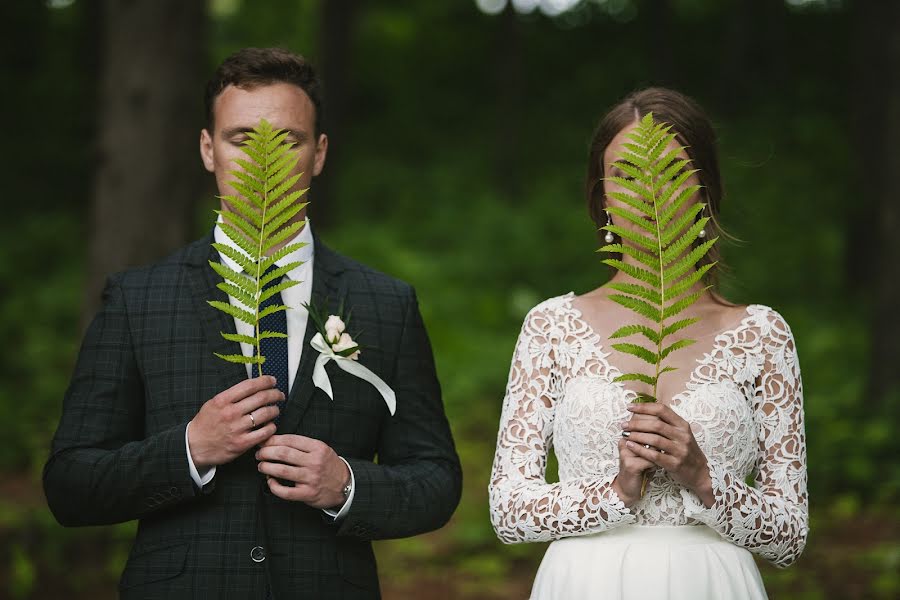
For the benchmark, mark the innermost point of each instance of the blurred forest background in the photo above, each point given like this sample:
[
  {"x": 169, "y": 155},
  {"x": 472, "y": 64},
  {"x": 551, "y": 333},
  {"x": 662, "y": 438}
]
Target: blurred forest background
[{"x": 459, "y": 132}]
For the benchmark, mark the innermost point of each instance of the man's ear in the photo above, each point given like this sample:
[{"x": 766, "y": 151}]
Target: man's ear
[
  {"x": 321, "y": 152},
  {"x": 207, "y": 154}
]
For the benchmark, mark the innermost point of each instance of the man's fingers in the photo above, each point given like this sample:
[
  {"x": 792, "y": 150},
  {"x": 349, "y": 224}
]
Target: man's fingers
[
  {"x": 262, "y": 415},
  {"x": 255, "y": 437},
  {"x": 299, "y": 442},
  {"x": 246, "y": 388},
  {"x": 282, "y": 471},
  {"x": 301, "y": 493},
  {"x": 280, "y": 453},
  {"x": 259, "y": 399}
]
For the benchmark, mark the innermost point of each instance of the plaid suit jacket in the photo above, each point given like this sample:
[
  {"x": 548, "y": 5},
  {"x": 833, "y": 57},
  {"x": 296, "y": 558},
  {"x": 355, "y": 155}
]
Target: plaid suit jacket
[{"x": 145, "y": 368}]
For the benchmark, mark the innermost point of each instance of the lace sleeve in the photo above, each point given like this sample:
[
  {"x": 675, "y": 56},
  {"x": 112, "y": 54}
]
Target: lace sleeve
[
  {"x": 524, "y": 507},
  {"x": 770, "y": 519}
]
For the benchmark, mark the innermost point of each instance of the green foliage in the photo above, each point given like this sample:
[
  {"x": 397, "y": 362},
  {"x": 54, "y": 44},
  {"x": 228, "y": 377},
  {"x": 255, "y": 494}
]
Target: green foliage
[
  {"x": 259, "y": 218},
  {"x": 658, "y": 195}
]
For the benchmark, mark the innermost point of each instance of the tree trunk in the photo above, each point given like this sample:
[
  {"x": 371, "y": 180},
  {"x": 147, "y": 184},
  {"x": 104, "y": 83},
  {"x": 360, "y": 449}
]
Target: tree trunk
[
  {"x": 338, "y": 21},
  {"x": 877, "y": 129},
  {"x": 148, "y": 175}
]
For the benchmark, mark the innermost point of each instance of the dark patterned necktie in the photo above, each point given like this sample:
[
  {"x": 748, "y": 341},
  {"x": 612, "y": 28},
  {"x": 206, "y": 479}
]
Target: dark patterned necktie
[{"x": 275, "y": 349}]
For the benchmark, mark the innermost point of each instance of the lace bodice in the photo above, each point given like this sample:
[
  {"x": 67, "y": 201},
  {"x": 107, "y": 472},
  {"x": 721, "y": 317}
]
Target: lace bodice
[{"x": 744, "y": 401}]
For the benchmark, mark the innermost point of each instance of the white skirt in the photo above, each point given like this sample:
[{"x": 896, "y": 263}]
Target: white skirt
[{"x": 642, "y": 562}]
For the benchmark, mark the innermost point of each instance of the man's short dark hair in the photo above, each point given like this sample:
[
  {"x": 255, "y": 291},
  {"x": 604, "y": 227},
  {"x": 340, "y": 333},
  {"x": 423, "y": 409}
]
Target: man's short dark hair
[{"x": 252, "y": 67}]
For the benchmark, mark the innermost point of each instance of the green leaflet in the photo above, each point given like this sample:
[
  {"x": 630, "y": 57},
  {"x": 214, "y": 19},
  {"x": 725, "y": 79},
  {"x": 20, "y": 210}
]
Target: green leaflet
[
  {"x": 647, "y": 293},
  {"x": 651, "y": 335},
  {"x": 638, "y": 351},
  {"x": 240, "y": 358},
  {"x": 659, "y": 222},
  {"x": 637, "y": 377},
  {"x": 257, "y": 219},
  {"x": 639, "y": 255},
  {"x": 237, "y": 337}
]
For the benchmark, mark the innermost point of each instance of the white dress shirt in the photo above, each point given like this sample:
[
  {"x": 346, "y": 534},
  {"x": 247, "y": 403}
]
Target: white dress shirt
[{"x": 294, "y": 297}]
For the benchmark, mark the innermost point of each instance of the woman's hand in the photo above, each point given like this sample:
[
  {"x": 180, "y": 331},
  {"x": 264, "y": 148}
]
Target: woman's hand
[
  {"x": 657, "y": 434},
  {"x": 627, "y": 483}
]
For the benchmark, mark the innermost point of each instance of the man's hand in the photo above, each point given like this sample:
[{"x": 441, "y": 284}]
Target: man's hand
[
  {"x": 234, "y": 421},
  {"x": 319, "y": 475}
]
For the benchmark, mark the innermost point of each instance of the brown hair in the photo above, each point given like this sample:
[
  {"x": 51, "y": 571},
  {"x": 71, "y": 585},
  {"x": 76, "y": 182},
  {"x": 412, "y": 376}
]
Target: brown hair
[
  {"x": 252, "y": 67},
  {"x": 693, "y": 130}
]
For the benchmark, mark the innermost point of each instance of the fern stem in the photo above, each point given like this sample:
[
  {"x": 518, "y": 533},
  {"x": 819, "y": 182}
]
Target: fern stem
[{"x": 259, "y": 254}]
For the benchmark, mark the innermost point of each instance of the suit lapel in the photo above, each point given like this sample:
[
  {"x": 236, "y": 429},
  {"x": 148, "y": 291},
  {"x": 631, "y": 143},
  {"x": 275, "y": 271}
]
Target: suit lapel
[
  {"x": 328, "y": 287},
  {"x": 203, "y": 282}
]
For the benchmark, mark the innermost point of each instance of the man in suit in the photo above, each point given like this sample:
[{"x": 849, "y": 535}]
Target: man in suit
[{"x": 259, "y": 487}]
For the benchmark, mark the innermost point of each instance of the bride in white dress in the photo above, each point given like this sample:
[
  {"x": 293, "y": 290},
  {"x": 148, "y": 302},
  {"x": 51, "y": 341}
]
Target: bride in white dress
[{"x": 731, "y": 412}]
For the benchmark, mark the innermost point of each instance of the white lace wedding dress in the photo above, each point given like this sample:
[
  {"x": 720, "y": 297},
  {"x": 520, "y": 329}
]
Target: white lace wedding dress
[{"x": 744, "y": 403}]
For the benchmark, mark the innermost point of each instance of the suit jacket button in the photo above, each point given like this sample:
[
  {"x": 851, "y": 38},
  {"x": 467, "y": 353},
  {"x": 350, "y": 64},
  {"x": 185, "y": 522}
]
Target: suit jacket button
[{"x": 258, "y": 554}]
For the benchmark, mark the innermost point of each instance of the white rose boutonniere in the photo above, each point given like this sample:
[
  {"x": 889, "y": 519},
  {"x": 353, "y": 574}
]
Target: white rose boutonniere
[{"x": 333, "y": 343}]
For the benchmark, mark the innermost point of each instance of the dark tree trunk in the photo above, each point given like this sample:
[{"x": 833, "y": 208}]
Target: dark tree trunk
[
  {"x": 338, "y": 21},
  {"x": 875, "y": 229},
  {"x": 148, "y": 175},
  {"x": 510, "y": 81},
  {"x": 662, "y": 25}
]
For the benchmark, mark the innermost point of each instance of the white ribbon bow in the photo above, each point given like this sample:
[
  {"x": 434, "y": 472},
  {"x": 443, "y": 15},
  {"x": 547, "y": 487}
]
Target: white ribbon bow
[{"x": 321, "y": 380}]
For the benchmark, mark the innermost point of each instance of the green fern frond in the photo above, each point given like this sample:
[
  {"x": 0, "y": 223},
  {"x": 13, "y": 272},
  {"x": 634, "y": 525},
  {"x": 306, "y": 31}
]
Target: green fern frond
[
  {"x": 278, "y": 272},
  {"x": 238, "y": 313},
  {"x": 628, "y": 330},
  {"x": 236, "y": 255},
  {"x": 688, "y": 261},
  {"x": 260, "y": 217},
  {"x": 642, "y": 257},
  {"x": 272, "y": 309},
  {"x": 246, "y": 192},
  {"x": 684, "y": 241},
  {"x": 633, "y": 218},
  {"x": 688, "y": 281},
  {"x": 663, "y": 237},
  {"x": 256, "y": 359},
  {"x": 635, "y": 189},
  {"x": 678, "y": 325},
  {"x": 276, "y": 256},
  {"x": 237, "y": 337},
  {"x": 238, "y": 237},
  {"x": 271, "y": 334},
  {"x": 637, "y": 377},
  {"x": 239, "y": 279},
  {"x": 680, "y": 305},
  {"x": 277, "y": 289},
  {"x": 679, "y": 344},
  {"x": 644, "y": 275},
  {"x": 236, "y": 292},
  {"x": 283, "y": 234},
  {"x": 678, "y": 225},
  {"x": 246, "y": 210},
  {"x": 249, "y": 229},
  {"x": 647, "y": 293},
  {"x": 639, "y": 306},
  {"x": 643, "y": 241},
  {"x": 639, "y": 351}
]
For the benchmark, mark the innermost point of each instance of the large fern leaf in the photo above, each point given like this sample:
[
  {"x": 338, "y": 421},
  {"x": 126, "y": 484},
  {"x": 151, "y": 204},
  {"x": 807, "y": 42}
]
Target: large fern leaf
[
  {"x": 656, "y": 194},
  {"x": 258, "y": 220}
]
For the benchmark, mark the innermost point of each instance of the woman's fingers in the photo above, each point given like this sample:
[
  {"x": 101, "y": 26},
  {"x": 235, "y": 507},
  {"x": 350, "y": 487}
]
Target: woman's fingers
[{"x": 664, "y": 445}]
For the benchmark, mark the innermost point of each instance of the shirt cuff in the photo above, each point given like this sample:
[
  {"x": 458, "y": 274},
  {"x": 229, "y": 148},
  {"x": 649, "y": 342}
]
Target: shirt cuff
[
  {"x": 337, "y": 516},
  {"x": 208, "y": 474}
]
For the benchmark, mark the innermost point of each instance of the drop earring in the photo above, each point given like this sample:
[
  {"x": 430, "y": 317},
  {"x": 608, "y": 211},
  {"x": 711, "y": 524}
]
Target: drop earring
[
  {"x": 702, "y": 233},
  {"x": 608, "y": 238}
]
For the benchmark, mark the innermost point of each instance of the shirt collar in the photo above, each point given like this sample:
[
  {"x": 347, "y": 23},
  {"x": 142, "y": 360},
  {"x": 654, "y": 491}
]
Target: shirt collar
[{"x": 302, "y": 255}]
